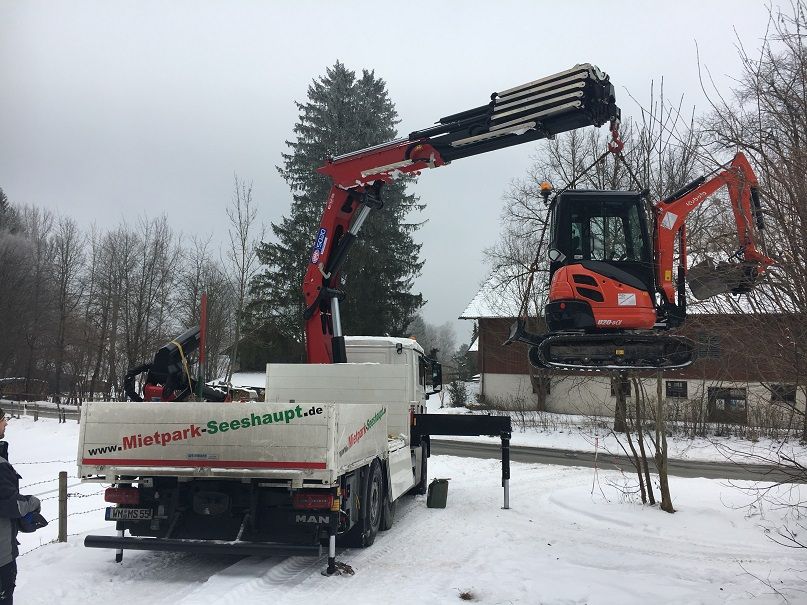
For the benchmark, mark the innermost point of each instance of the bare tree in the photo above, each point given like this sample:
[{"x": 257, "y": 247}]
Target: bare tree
[
  {"x": 68, "y": 244},
  {"x": 16, "y": 252},
  {"x": 245, "y": 235},
  {"x": 202, "y": 274},
  {"x": 441, "y": 338},
  {"x": 765, "y": 116},
  {"x": 148, "y": 272},
  {"x": 36, "y": 317}
]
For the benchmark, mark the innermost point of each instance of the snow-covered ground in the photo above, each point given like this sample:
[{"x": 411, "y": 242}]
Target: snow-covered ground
[{"x": 571, "y": 536}]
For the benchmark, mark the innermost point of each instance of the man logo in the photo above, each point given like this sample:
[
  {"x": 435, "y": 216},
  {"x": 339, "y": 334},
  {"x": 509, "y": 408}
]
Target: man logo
[{"x": 311, "y": 519}]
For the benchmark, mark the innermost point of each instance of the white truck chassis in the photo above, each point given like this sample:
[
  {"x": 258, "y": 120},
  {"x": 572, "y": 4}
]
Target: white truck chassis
[{"x": 327, "y": 454}]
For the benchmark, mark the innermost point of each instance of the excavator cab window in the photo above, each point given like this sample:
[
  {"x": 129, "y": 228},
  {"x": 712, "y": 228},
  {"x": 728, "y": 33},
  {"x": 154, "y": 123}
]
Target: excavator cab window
[{"x": 606, "y": 226}]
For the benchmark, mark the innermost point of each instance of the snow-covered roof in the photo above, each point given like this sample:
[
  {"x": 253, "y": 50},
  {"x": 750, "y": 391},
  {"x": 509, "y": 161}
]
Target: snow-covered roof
[
  {"x": 474, "y": 348},
  {"x": 501, "y": 295}
]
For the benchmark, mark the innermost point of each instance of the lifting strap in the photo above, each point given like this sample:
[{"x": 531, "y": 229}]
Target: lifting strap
[
  {"x": 184, "y": 363},
  {"x": 615, "y": 146}
]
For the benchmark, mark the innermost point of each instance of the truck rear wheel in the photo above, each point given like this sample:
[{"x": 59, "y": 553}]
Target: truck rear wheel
[{"x": 364, "y": 532}]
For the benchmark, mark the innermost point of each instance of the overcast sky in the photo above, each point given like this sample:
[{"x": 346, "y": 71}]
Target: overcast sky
[{"x": 109, "y": 110}]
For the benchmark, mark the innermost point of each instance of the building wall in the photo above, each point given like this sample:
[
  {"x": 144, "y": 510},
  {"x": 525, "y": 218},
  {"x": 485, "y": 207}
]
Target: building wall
[
  {"x": 591, "y": 395},
  {"x": 734, "y": 351},
  {"x": 740, "y": 348},
  {"x": 567, "y": 395}
]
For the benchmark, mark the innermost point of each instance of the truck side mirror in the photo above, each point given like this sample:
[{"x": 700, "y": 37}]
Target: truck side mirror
[{"x": 437, "y": 377}]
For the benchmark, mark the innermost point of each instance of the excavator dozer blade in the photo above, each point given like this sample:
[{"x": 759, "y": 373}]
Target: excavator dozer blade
[{"x": 600, "y": 352}]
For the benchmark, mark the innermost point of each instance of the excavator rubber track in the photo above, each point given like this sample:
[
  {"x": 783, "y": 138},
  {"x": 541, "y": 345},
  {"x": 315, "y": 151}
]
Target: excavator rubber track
[{"x": 623, "y": 351}]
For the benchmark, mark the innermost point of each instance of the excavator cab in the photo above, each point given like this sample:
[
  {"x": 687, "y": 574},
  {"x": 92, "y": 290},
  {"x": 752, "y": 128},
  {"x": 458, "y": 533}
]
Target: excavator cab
[
  {"x": 601, "y": 307},
  {"x": 601, "y": 262}
]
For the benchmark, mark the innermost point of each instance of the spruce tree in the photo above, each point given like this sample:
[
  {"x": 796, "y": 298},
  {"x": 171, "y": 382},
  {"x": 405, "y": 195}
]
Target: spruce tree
[
  {"x": 342, "y": 114},
  {"x": 9, "y": 221}
]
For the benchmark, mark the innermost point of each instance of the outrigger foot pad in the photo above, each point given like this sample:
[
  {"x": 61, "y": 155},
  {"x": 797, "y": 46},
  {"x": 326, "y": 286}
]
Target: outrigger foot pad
[{"x": 339, "y": 569}]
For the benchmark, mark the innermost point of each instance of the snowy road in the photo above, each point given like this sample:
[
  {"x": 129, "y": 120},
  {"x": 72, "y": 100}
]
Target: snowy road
[{"x": 542, "y": 455}]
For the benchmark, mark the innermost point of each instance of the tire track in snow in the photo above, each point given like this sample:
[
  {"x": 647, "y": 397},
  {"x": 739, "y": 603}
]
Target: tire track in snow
[
  {"x": 292, "y": 579},
  {"x": 573, "y": 524},
  {"x": 253, "y": 579},
  {"x": 316, "y": 586}
]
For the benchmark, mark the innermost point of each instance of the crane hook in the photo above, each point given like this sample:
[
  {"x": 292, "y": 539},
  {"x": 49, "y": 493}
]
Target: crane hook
[{"x": 616, "y": 144}]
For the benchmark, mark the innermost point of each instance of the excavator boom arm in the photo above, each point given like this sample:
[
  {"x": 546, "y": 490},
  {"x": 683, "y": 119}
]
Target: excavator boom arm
[{"x": 672, "y": 212}]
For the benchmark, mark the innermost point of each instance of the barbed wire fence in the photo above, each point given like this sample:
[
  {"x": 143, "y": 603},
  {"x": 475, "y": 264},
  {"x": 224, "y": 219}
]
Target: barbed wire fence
[{"x": 64, "y": 497}]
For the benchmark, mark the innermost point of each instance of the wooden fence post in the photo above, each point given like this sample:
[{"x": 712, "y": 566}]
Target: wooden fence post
[
  {"x": 63, "y": 506},
  {"x": 36, "y": 412}
]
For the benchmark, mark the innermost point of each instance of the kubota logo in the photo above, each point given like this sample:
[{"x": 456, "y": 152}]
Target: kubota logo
[
  {"x": 696, "y": 199},
  {"x": 609, "y": 322}
]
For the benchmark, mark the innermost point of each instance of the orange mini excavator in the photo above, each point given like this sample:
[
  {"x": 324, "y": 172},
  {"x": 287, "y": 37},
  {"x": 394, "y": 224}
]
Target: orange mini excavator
[{"x": 612, "y": 290}]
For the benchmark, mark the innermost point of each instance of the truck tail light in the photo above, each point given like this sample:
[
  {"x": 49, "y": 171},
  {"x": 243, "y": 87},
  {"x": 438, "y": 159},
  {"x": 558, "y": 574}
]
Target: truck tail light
[
  {"x": 312, "y": 500},
  {"x": 122, "y": 495}
]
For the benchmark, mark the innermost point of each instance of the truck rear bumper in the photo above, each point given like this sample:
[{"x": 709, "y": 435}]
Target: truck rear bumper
[{"x": 203, "y": 546}]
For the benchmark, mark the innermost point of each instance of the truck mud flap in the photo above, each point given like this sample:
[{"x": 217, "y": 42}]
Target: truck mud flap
[{"x": 216, "y": 547}]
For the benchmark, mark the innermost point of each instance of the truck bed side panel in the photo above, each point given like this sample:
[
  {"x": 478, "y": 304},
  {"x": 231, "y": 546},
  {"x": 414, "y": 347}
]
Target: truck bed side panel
[
  {"x": 361, "y": 434},
  {"x": 202, "y": 435}
]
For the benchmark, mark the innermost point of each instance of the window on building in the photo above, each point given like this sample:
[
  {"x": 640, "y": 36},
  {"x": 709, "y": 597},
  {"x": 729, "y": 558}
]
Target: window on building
[
  {"x": 783, "y": 393},
  {"x": 615, "y": 385},
  {"x": 707, "y": 346},
  {"x": 728, "y": 405},
  {"x": 677, "y": 389}
]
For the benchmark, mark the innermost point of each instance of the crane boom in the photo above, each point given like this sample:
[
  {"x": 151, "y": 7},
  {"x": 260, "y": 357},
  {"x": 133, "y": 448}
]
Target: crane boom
[{"x": 574, "y": 98}]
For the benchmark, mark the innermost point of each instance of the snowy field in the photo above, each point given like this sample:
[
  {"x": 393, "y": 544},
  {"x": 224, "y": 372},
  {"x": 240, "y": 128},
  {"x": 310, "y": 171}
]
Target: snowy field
[{"x": 570, "y": 537}]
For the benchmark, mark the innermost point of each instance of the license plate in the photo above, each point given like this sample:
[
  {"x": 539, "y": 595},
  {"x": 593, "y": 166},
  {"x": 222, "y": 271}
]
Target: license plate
[{"x": 116, "y": 513}]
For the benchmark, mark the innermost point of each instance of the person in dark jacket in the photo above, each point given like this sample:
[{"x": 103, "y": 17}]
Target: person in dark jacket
[{"x": 13, "y": 507}]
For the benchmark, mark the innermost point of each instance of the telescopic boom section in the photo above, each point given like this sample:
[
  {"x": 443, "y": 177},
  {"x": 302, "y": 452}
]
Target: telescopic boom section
[{"x": 578, "y": 97}]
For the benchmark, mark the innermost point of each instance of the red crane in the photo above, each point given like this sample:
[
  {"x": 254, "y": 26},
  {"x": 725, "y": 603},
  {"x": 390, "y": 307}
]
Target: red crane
[{"x": 578, "y": 97}]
